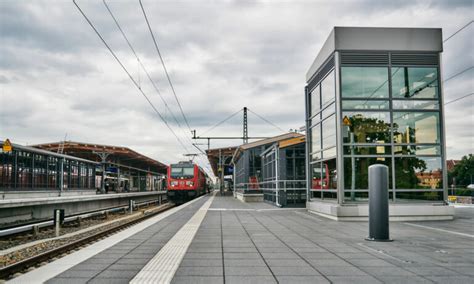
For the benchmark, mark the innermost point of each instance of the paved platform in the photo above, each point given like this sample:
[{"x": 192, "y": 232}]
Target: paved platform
[{"x": 235, "y": 242}]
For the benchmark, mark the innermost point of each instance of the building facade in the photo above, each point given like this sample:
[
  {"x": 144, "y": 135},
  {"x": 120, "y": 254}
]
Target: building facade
[{"x": 374, "y": 96}]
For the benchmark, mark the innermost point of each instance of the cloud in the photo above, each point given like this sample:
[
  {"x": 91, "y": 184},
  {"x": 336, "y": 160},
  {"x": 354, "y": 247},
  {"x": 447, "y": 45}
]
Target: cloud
[{"x": 57, "y": 77}]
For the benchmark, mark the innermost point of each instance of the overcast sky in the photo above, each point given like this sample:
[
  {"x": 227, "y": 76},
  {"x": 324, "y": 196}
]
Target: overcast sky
[{"x": 56, "y": 76}]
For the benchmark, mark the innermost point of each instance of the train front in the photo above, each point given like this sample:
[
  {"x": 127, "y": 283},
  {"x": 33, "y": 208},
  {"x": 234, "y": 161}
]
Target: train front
[{"x": 182, "y": 182}]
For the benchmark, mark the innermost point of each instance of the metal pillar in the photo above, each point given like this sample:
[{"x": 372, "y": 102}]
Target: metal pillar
[
  {"x": 246, "y": 130},
  {"x": 378, "y": 203},
  {"x": 61, "y": 176},
  {"x": 103, "y": 156}
]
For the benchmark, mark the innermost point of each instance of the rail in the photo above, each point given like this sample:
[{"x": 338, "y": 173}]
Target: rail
[{"x": 33, "y": 261}]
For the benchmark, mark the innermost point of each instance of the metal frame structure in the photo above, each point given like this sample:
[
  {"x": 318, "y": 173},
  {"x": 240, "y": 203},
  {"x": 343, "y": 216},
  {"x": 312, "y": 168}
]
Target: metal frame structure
[{"x": 418, "y": 45}]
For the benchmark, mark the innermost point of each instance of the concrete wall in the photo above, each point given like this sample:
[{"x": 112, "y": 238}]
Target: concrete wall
[
  {"x": 398, "y": 212},
  {"x": 29, "y": 209},
  {"x": 245, "y": 197}
]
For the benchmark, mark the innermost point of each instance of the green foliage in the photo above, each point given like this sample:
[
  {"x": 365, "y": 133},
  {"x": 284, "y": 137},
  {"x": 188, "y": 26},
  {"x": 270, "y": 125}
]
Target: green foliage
[{"x": 463, "y": 172}]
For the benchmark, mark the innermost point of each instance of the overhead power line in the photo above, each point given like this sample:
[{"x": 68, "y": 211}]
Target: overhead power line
[
  {"x": 465, "y": 26},
  {"x": 460, "y": 98},
  {"x": 457, "y": 74},
  {"x": 221, "y": 122},
  {"x": 267, "y": 121},
  {"x": 129, "y": 75},
  {"x": 164, "y": 65},
  {"x": 142, "y": 65}
]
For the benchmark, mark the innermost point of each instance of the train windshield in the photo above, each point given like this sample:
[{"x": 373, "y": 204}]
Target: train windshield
[{"x": 182, "y": 172}]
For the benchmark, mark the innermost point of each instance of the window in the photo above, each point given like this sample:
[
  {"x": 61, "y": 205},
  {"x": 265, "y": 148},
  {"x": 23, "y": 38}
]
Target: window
[
  {"x": 315, "y": 100},
  {"x": 328, "y": 89},
  {"x": 414, "y": 82},
  {"x": 418, "y": 173},
  {"x": 367, "y": 127},
  {"x": 316, "y": 138},
  {"x": 356, "y": 171},
  {"x": 329, "y": 131},
  {"x": 364, "y": 105},
  {"x": 364, "y": 82},
  {"x": 416, "y": 127}
]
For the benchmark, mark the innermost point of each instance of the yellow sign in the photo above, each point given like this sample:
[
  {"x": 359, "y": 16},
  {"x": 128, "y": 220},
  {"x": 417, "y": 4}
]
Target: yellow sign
[
  {"x": 7, "y": 146},
  {"x": 346, "y": 121}
]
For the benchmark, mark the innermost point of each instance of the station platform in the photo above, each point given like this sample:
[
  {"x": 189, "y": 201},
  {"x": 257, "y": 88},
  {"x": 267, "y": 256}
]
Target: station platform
[{"x": 219, "y": 239}]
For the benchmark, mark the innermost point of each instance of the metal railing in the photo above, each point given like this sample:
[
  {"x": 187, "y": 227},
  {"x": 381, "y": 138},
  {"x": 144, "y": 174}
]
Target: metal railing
[{"x": 281, "y": 193}]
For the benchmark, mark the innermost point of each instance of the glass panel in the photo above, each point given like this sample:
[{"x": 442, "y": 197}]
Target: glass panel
[
  {"x": 364, "y": 82},
  {"x": 316, "y": 138},
  {"x": 404, "y": 104},
  {"x": 324, "y": 175},
  {"x": 329, "y": 110},
  {"x": 369, "y": 105},
  {"x": 417, "y": 150},
  {"x": 367, "y": 150},
  {"x": 418, "y": 173},
  {"x": 315, "y": 100},
  {"x": 366, "y": 127},
  {"x": 416, "y": 127},
  {"x": 417, "y": 195},
  {"x": 329, "y": 131},
  {"x": 328, "y": 89},
  {"x": 328, "y": 153},
  {"x": 356, "y": 171},
  {"x": 414, "y": 82}
]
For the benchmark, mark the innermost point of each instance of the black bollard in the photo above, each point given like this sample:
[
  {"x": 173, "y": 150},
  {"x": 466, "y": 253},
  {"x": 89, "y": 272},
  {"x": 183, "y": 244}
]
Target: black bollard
[{"x": 378, "y": 204}]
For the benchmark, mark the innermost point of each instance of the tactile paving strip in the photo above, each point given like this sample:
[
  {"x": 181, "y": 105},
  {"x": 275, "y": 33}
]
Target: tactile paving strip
[{"x": 163, "y": 266}]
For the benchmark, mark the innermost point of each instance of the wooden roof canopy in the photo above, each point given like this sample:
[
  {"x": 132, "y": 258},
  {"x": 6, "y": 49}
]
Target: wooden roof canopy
[{"x": 117, "y": 154}]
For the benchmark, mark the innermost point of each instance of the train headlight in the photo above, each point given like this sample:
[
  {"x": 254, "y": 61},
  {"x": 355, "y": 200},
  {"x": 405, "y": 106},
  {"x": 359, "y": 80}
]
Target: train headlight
[
  {"x": 174, "y": 183},
  {"x": 190, "y": 183}
]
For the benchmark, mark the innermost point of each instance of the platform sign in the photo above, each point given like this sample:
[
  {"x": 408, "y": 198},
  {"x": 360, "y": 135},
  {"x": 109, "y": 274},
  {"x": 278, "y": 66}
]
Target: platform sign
[{"x": 7, "y": 146}]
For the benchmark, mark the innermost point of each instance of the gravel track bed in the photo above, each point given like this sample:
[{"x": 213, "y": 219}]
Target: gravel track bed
[{"x": 33, "y": 250}]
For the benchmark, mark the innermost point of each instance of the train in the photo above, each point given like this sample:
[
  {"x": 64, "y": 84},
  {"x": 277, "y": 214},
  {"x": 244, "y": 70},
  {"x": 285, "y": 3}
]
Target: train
[{"x": 186, "y": 181}]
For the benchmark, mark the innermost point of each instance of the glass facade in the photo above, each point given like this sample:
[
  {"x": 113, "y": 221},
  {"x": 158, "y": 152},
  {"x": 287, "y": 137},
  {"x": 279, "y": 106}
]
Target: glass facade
[
  {"x": 386, "y": 113},
  {"x": 323, "y": 142}
]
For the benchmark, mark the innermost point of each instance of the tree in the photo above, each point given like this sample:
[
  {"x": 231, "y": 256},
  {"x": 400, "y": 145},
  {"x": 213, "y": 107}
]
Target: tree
[{"x": 463, "y": 172}]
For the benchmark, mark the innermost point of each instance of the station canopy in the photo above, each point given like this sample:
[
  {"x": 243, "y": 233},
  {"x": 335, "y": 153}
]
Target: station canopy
[
  {"x": 117, "y": 155},
  {"x": 214, "y": 154}
]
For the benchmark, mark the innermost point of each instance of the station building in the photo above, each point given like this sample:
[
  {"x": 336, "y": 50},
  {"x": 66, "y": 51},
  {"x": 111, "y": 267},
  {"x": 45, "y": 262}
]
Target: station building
[
  {"x": 271, "y": 169},
  {"x": 374, "y": 96}
]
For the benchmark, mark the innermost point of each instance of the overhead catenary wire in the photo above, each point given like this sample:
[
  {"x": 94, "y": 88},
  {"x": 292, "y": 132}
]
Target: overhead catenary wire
[
  {"x": 460, "y": 98},
  {"x": 465, "y": 26},
  {"x": 457, "y": 74},
  {"x": 266, "y": 120},
  {"x": 164, "y": 65},
  {"x": 221, "y": 122},
  {"x": 129, "y": 75},
  {"x": 142, "y": 65}
]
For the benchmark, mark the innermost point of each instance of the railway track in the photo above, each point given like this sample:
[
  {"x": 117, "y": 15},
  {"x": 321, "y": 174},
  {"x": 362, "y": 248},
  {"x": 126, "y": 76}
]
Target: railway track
[{"x": 9, "y": 271}]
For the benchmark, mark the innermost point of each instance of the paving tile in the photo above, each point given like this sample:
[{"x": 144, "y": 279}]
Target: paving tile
[
  {"x": 198, "y": 280},
  {"x": 387, "y": 271},
  {"x": 244, "y": 262},
  {"x": 279, "y": 255},
  {"x": 354, "y": 280},
  {"x": 109, "y": 281},
  {"x": 203, "y": 255},
  {"x": 369, "y": 262},
  {"x": 451, "y": 279},
  {"x": 240, "y": 249},
  {"x": 340, "y": 271},
  {"x": 301, "y": 279},
  {"x": 334, "y": 262},
  {"x": 403, "y": 280},
  {"x": 285, "y": 262},
  {"x": 74, "y": 273},
  {"x": 200, "y": 271},
  {"x": 250, "y": 279},
  {"x": 248, "y": 271},
  {"x": 123, "y": 274},
  {"x": 241, "y": 255},
  {"x": 201, "y": 262},
  {"x": 58, "y": 280},
  {"x": 294, "y": 271}
]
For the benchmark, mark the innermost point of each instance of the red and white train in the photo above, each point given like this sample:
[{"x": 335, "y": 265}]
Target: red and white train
[{"x": 186, "y": 181}]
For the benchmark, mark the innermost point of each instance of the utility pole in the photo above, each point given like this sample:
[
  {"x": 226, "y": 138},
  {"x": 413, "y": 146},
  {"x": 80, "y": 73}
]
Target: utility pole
[{"x": 246, "y": 130}]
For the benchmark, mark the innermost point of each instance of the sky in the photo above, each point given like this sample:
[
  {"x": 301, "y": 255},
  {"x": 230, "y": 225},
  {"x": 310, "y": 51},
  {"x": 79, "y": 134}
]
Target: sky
[{"x": 57, "y": 79}]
